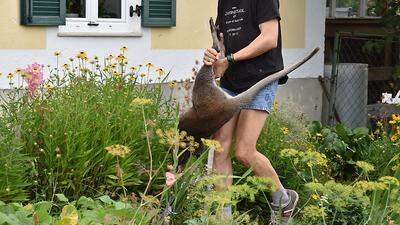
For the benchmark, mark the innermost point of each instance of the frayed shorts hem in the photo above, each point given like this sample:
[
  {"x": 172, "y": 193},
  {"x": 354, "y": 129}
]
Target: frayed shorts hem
[{"x": 263, "y": 101}]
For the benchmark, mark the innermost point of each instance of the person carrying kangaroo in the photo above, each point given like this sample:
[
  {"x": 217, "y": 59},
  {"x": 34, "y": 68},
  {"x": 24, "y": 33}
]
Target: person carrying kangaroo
[{"x": 251, "y": 32}]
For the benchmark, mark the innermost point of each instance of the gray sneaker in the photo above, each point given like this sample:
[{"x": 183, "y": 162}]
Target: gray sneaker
[{"x": 280, "y": 215}]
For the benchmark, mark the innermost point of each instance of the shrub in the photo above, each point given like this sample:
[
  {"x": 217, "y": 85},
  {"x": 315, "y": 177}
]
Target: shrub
[{"x": 67, "y": 122}]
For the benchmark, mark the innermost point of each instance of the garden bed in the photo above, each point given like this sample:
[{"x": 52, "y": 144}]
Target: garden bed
[{"x": 95, "y": 143}]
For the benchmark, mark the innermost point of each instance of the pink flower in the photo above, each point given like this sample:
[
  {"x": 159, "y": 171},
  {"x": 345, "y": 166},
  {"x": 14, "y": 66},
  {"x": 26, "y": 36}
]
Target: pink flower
[
  {"x": 169, "y": 179},
  {"x": 34, "y": 77}
]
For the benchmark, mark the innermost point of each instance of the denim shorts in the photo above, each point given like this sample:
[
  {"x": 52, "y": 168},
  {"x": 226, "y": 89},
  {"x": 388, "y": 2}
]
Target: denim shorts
[{"x": 264, "y": 99}]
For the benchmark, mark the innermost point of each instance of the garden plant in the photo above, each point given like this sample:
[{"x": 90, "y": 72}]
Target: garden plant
[{"x": 93, "y": 140}]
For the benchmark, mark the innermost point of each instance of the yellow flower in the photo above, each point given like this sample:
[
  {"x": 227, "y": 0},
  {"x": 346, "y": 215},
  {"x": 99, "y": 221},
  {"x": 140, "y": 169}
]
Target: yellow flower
[
  {"x": 392, "y": 122},
  {"x": 372, "y": 136},
  {"x": 66, "y": 66},
  {"x": 49, "y": 87},
  {"x": 289, "y": 153},
  {"x": 313, "y": 212},
  {"x": 18, "y": 71},
  {"x": 57, "y": 53},
  {"x": 81, "y": 55},
  {"x": 160, "y": 71},
  {"x": 379, "y": 124},
  {"x": 213, "y": 144},
  {"x": 118, "y": 150},
  {"x": 366, "y": 167},
  {"x": 124, "y": 48},
  {"x": 110, "y": 57},
  {"x": 141, "y": 101},
  {"x": 285, "y": 130},
  {"x": 10, "y": 75},
  {"x": 116, "y": 74},
  {"x": 315, "y": 197},
  {"x": 393, "y": 138},
  {"x": 142, "y": 75},
  {"x": 370, "y": 186},
  {"x": 173, "y": 138},
  {"x": 133, "y": 68},
  {"x": 71, "y": 59},
  {"x": 113, "y": 66},
  {"x": 172, "y": 84},
  {"x": 313, "y": 158},
  {"x": 132, "y": 77},
  {"x": 160, "y": 133},
  {"x": 390, "y": 180},
  {"x": 120, "y": 58},
  {"x": 396, "y": 117},
  {"x": 149, "y": 65},
  {"x": 275, "y": 105}
]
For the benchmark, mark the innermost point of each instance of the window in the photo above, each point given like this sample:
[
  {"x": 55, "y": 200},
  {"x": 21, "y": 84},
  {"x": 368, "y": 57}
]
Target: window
[
  {"x": 101, "y": 18},
  {"x": 352, "y": 8}
]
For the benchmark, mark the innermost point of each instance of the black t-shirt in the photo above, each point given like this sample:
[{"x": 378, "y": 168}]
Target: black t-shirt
[{"x": 239, "y": 21}]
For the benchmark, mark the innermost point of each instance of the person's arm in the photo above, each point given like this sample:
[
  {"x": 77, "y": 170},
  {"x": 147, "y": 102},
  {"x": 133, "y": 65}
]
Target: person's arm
[{"x": 267, "y": 40}]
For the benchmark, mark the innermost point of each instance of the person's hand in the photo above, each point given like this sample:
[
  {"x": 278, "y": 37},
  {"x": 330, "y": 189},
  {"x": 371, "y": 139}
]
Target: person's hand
[
  {"x": 210, "y": 56},
  {"x": 213, "y": 58},
  {"x": 220, "y": 66}
]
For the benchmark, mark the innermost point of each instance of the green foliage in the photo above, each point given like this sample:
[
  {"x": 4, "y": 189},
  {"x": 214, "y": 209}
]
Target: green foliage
[
  {"x": 85, "y": 211},
  {"x": 93, "y": 144},
  {"x": 390, "y": 12},
  {"x": 82, "y": 109},
  {"x": 15, "y": 166},
  {"x": 354, "y": 4},
  {"x": 341, "y": 204},
  {"x": 342, "y": 146}
]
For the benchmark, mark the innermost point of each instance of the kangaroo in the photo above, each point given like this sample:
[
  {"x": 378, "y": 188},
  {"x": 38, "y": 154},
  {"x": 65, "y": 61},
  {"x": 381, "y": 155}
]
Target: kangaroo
[{"x": 212, "y": 107}]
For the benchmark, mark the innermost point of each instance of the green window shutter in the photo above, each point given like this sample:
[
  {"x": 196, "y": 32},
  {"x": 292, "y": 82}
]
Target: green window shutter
[
  {"x": 159, "y": 13},
  {"x": 43, "y": 12}
]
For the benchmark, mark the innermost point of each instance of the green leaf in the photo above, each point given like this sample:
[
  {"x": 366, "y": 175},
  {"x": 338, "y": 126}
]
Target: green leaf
[
  {"x": 62, "y": 198},
  {"x": 315, "y": 127},
  {"x": 43, "y": 209},
  {"x": 86, "y": 202},
  {"x": 113, "y": 177},
  {"x": 360, "y": 132},
  {"x": 343, "y": 133},
  {"x": 69, "y": 216},
  {"x": 106, "y": 199}
]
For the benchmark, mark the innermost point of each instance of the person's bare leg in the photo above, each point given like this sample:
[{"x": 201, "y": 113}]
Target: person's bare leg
[
  {"x": 222, "y": 161},
  {"x": 249, "y": 126}
]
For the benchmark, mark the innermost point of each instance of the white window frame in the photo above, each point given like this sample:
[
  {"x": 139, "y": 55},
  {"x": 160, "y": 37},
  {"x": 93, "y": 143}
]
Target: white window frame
[
  {"x": 361, "y": 14},
  {"x": 126, "y": 26}
]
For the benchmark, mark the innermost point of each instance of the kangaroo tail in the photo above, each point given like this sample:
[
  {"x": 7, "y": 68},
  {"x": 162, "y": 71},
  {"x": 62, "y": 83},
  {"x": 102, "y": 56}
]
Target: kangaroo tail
[{"x": 249, "y": 95}]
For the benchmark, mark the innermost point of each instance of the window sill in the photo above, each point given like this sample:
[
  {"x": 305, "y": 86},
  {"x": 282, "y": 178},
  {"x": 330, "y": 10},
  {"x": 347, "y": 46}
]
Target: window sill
[
  {"x": 98, "y": 34},
  {"x": 129, "y": 27}
]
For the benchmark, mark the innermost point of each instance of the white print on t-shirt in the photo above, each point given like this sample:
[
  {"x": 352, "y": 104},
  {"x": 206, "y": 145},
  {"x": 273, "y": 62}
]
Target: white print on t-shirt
[{"x": 234, "y": 17}]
